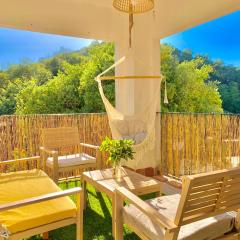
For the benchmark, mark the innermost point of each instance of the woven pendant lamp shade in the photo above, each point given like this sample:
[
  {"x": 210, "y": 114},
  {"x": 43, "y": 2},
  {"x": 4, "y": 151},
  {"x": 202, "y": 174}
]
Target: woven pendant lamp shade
[{"x": 134, "y": 6}]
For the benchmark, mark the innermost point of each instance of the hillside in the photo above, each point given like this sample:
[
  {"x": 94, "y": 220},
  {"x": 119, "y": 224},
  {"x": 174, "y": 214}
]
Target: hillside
[{"x": 65, "y": 83}]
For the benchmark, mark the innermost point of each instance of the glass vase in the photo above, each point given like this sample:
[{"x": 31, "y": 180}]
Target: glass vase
[{"x": 118, "y": 171}]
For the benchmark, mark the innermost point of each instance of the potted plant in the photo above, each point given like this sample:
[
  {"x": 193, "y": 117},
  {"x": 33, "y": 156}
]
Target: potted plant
[{"x": 118, "y": 150}]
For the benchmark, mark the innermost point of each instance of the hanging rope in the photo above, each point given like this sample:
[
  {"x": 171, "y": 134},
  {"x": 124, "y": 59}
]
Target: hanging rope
[
  {"x": 133, "y": 7},
  {"x": 131, "y": 23},
  {"x": 165, "y": 93}
]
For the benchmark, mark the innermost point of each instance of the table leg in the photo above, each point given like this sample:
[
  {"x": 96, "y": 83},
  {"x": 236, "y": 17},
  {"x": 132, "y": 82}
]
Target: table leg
[
  {"x": 113, "y": 216},
  {"x": 158, "y": 194},
  {"x": 84, "y": 192}
]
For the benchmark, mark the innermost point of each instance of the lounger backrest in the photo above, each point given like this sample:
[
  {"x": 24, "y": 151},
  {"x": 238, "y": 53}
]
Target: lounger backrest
[
  {"x": 54, "y": 138},
  {"x": 209, "y": 194}
]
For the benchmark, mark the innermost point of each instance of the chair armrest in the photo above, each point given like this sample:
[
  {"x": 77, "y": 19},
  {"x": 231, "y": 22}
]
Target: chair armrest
[
  {"x": 9, "y": 162},
  {"x": 160, "y": 219},
  {"x": 46, "y": 197},
  {"x": 49, "y": 151},
  {"x": 89, "y": 146}
]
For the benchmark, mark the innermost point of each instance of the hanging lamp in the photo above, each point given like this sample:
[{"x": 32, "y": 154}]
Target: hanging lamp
[{"x": 133, "y": 7}]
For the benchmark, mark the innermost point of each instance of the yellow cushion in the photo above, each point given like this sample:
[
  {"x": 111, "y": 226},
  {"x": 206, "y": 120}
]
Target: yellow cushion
[{"x": 26, "y": 184}]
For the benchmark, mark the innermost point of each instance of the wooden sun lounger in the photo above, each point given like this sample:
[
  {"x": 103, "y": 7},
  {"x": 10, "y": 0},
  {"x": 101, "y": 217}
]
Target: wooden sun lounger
[{"x": 204, "y": 197}]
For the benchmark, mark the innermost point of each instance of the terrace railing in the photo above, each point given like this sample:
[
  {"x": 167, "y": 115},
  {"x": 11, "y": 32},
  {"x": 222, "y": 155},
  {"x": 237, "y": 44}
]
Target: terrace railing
[{"x": 190, "y": 143}]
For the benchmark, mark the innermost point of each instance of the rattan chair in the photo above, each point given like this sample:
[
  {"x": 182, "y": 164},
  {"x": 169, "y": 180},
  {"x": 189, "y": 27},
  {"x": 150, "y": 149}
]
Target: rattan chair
[{"x": 62, "y": 151}]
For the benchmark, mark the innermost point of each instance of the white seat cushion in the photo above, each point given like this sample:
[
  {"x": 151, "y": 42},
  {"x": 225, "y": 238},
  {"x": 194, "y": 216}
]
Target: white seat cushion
[
  {"x": 72, "y": 160},
  {"x": 205, "y": 229}
]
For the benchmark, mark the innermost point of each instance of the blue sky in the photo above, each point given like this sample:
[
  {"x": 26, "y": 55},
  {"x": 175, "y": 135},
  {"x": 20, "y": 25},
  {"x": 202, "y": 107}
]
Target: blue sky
[
  {"x": 220, "y": 39},
  {"x": 17, "y": 45}
]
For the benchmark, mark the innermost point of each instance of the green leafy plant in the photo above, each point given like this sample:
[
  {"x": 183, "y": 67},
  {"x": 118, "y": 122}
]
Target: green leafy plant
[{"x": 117, "y": 150}]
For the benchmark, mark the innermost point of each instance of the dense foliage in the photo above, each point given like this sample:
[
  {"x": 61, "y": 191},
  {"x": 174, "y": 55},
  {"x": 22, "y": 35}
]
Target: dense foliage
[
  {"x": 189, "y": 86},
  {"x": 65, "y": 83}
]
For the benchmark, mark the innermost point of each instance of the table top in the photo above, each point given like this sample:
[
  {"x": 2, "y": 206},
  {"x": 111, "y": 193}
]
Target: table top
[{"x": 136, "y": 183}]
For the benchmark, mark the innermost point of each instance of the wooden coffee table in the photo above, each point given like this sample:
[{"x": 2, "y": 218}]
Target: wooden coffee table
[{"x": 104, "y": 181}]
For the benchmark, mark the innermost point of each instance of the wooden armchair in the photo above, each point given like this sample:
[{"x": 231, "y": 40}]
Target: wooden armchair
[
  {"x": 202, "y": 211},
  {"x": 62, "y": 151},
  {"x": 31, "y": 204}
]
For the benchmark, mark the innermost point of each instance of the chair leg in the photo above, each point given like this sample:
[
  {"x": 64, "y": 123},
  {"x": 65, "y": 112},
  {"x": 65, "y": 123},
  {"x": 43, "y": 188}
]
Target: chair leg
[
  {"x": 55, "y": 176},
  {"x": 79, "y": 234},
  {"x": 99, "y": 159},
  {"x": 171, "y": 235},
  {"x": 117, "y": 217},
  {"x": 84, "y": 192},
  {"x": 79, "y": 223},
  {"x": 55, "y": 168},
  {"x": 45, "y": 236}
]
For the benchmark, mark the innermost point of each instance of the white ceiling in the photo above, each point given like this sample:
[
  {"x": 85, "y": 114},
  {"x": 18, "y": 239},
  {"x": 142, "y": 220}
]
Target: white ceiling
[{"x": 97, "y": 19}]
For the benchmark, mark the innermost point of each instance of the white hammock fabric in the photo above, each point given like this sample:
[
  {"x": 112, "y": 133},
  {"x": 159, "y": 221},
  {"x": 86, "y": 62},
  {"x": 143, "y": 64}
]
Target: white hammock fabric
[{"x": 139, "y": 127}]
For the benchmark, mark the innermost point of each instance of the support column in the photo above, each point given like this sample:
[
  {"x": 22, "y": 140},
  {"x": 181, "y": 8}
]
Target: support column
[{"x": 142, "y": 59}]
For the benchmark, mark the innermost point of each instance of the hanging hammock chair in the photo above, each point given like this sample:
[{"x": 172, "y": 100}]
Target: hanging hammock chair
[{"x": 139, "y": 127}]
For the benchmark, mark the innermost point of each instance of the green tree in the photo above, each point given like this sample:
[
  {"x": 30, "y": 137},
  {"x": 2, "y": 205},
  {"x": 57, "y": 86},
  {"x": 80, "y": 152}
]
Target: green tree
[
  {"x": 59, "y": 95},
  {"x": 74, "y": 89},
  {"x": 100, "y": 57},
  {"x": 27, "y": 71},
  {"x": 8, "y": 96},
  {"x": 65, "y": 83},
  {"x": 231, "y": 96},
  {"x": 189, "y": 88}
]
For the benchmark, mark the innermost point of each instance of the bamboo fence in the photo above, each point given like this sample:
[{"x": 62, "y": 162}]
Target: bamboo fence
[
  {"x": 190, "y": 143},
  {"x": 20, "y": 136},
  {"x": 195, "y": 143}
]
